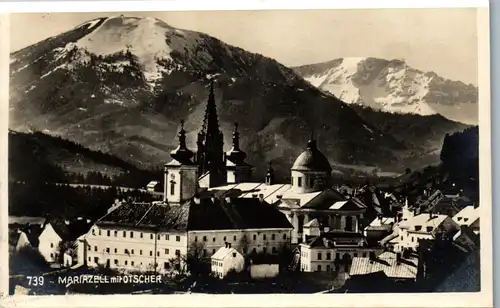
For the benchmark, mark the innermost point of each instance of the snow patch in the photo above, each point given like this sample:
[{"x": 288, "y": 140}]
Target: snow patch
[
  {"x": 52, "y": 71},
  {"x": 30, "y": 88},
  {"x": 367, "y": 128}
]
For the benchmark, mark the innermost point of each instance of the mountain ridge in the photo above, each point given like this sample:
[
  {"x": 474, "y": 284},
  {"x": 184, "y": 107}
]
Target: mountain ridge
[
  {"x": 106, "y": 101},
  {"x": 393, "y": 86}
]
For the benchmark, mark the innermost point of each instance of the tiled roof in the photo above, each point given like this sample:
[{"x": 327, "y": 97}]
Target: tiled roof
[
  {"x": 386, "y": 263},
  {"x": 249, "y": 190},
  {"x": 71, "y": 231},
  {"x": 423, "y": 220},
  {"x": 329, "y": 239},
  {"x": 208, "y": 214},
  {"x": 223, "y": 253}
]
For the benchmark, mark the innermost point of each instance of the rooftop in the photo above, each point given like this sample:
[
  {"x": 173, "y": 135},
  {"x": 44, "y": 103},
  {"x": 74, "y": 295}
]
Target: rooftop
[
  {"x": 387, "y": 263},
  {"x": 205, "y": 214},
  {"x": 312, "y": 160},
  {"x": 223, "y": 253},
  {"x": 467, "y": 216}
]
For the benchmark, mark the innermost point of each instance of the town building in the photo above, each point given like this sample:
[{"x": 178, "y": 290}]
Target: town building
[
  {"x": 59, "y": 237},
  {"x": 426, "y": 226},
  {"x": 226, "y": 260},
  {"x": 334, "y": 251},
  {"x": 468, "y": 217}
]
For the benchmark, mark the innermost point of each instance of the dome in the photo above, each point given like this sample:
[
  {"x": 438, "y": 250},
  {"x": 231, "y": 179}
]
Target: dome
[{"x": 312, "y": 160}]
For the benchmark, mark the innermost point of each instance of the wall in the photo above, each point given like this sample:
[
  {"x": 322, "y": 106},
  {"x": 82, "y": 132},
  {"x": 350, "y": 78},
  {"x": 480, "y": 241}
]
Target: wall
[
  {"x": 49, "y": 244},
  {"x": 320, "y": 181},
  {"x": 142, "y": 251},
  {"x": 217, "y": 239},
  {"x": 309, "y": 259},
  {"x": 258, "y": 271}
]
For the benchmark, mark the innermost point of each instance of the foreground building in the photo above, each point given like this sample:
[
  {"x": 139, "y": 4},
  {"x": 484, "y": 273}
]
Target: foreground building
[{"x": 226, "y": 260}]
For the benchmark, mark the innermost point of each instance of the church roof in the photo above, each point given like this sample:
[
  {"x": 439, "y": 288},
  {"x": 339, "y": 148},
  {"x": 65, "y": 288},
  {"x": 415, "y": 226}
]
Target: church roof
[
  {"x": 207, "y": 214},
  {"x": 312, "y": 160}
]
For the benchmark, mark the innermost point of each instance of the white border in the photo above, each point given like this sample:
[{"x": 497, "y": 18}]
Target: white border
[
  {"x": 480, "y": 299},
  {"x": 203, "y": 5}
]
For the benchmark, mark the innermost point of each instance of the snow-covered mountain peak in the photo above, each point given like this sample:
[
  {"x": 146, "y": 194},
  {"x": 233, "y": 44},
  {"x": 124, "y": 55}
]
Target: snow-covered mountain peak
[{"x": 393, "y": 86}]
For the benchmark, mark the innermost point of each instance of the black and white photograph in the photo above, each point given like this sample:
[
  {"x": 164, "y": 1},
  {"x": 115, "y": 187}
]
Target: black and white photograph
[{"x": 242, "y": 152}]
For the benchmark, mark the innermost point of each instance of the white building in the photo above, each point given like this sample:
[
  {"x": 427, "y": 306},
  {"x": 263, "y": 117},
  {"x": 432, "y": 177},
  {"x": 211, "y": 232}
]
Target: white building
[
  {"x": 424, "y": 226},
  {"x": 333, "y": 251},
  {"x": 50, "y": 239},
  {"x": 151, "y": 187},
  {"x": 59, "y": 235},
  {"x": 144, "y": 236},
  {"x": 468, "y": 217},
  {"x": 226, "y": 259}
]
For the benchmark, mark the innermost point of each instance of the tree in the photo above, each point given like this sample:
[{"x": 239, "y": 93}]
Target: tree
[{"x": 244, "y": 243}]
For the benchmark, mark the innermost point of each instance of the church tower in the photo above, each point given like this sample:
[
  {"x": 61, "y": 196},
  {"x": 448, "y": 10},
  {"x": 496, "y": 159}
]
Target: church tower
[
  {"x": 238, "y": 170},
  {"x": 210, "y": 154},
  {"x": 181, "y": 173}
]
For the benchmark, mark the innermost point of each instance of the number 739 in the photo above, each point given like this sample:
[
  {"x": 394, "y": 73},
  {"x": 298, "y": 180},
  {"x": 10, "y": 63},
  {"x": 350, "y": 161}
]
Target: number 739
[{"x": 35, "y": 280}]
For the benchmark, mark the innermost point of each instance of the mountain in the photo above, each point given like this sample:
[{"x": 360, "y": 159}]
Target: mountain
[
  {"x": 121, "y": 85},
  {"x": 394, "y": 86},
  {"x": 38, "y": 158}
]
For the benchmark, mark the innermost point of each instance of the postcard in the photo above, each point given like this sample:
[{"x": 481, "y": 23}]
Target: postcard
[{"x": 249, "y": 156}]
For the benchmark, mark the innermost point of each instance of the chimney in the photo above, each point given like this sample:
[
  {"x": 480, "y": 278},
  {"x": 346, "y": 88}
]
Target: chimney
[
  {"x": 430, "y": 215},
  {"x": 254, "y": 195},
  {"x": 398, "y": 257},
  {"x": 261, "y": 197}
]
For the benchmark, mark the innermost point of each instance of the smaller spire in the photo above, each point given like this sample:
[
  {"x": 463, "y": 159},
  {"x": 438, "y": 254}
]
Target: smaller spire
[
  {"x": 311, "y": 144},
  {"x": 236, "y": 155},
  {"x": 182, "y": 154},
  {"x": 236, "y": 137},
  {"x": 270, "y": 175}
]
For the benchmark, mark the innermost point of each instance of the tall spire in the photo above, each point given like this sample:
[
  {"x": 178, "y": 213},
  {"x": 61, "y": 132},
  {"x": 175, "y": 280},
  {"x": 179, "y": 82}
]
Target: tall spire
[
  {"x": 182, "y": 154},
  {"x": 311, "y": 144},
  {"x": 210, "y": 156}
]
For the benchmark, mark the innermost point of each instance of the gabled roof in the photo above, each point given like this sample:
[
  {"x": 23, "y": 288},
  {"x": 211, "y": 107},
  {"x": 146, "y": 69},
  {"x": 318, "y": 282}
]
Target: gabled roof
[
  {"x": 69, "y": 231},
  {"x": 387, "y": 263},
  {"x": 223, "y": 253},
  {"x": 313, "y": 224},
  {"x": 423, "y": 220},
  {"x": 467, "y": 216}
]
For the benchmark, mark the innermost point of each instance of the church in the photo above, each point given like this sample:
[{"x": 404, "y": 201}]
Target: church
[{"x": 309, "y": 195}]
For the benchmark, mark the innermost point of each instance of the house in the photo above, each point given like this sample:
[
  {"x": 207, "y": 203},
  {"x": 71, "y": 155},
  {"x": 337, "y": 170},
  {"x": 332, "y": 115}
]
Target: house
[
  {"x": 378, "y": 229},
  {"x": 333, "y": 251},
  {"x": 468, "y": 217},
  {"x": 225, "y": 260},
  {"x": 17, "y": 240},
  {"x": 424, "y": 226},
  {"x": 152, "y": 186},
  {"x": 58, "y": 236}
]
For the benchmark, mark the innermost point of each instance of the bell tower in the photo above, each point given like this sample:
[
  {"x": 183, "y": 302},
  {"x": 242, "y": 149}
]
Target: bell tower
[
  {"x": 181, "y": 173},
  {"x": 238, "y": 170}
]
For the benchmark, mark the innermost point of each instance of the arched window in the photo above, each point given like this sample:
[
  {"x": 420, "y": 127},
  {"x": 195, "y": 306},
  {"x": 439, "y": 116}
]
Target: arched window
[
  {"x": 348, "y": 223},
  {"x": 172, "y": 187}
]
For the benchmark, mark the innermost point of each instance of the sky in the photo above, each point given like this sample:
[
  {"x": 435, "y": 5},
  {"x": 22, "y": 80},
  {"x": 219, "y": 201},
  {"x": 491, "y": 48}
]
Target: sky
[{"x": 440, "y": 40}]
